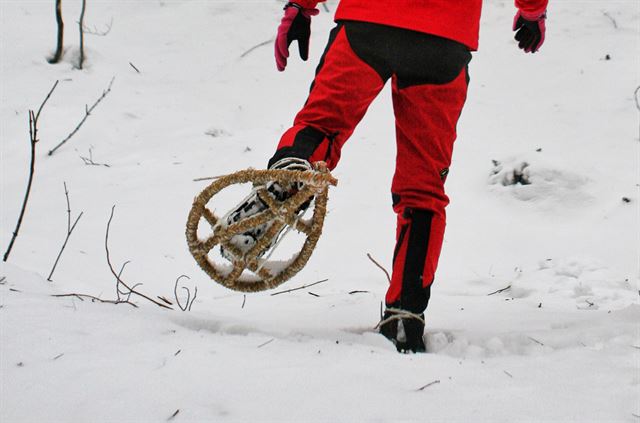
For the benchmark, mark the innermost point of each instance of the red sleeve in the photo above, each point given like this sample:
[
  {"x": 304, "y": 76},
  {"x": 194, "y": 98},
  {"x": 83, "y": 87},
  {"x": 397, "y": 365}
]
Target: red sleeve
[
  {"x": 308, "y": 4},
  {"x": 533, "y": 7}
]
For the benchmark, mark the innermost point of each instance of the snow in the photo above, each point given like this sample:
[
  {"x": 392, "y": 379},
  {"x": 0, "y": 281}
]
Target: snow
[{"x": 561, "y": 344}]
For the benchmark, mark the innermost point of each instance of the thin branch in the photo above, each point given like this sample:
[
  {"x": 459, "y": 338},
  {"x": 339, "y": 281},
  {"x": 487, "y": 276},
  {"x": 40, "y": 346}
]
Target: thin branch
[
  {"x": 81, "y": 297},
  {"x": 189, "y": 302},
  {"x": 637, "y": 100},
  {"x": 536, "y": 341},
  {"x": 195, "y": 295},
  {"x": 165, "y": 300},
  {"x": 244, "y": 300},
  {"x": 379, "y": 266},
  {"x": 70, "y": 229},
  {"x": 175, "y": 413},
  {"x": 262, "y": 44},
  {"x": 59, "y": 45},
  {"x": 81, "y": 28},
  {"x": 134, "y": 67},
  {"x": 266, "y": 343},
  {"x": 131, "y": 290},
  {"x": 508, "y": 374},
  {"x": 88, "y": 111},
  {"x": 500, "y": 290},
  {"x": 89, "y": 160},
  {"x": 422, "y": 388},
  {"x": 33, "y": 138},
  {"x": 358, "y": 292},
  {"x": 208, "y": 178},
  {"x": 45, "y": 101},
  {"x": 96, "y": 31},
  {"x": 301, "y": 287},
  {"x": 613, "y": 21}
]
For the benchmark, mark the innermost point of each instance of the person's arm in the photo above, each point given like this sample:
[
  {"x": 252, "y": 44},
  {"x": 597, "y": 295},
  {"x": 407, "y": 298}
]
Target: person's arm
[
  {"x": 530, "y": 24},
  {"x": 295, "y": 25}
]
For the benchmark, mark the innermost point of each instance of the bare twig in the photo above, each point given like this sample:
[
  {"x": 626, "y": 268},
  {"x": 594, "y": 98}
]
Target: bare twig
[
  {"x": 358, "y": 292},
  {"x": 208, "y": 178},
  {"x": 59, "y": 46},
  {"x": 58, "y": 356},
  {"x": 637, "y": 100},
  {"x": 508, "y": 374},
  {"x": 536, "y": 341},
  {"x": 262, "y": 44},
  {"x": 89, "y": 160},
  {"x": 266, "y": 343},
  {"x": 313, "y": 295},
  {"x": 81, "y": 28},
  {"x": 379, "y": 266},
  {"x": 96, "y": 31},
  {"x": 500, "y": 290},
  {"x": 87, "y": 113},
  {"x": 33, "y": 137},
  {"x": 175, "y": 413},
  {"x": 134, "y": 67},
  {"x": 81, "y": 297},
  {"x": 326, "y": 8},
  {"x": 119, "y": 281},
  {"x": 301, "y": 287},
  {"x": 422, "y": 388},
  {"x": 189, "y": 302},
  {"x": 165, "y": 300},
  {"x": 244, "y": 300},
  {"x": 70, "y": 229},
  {"x": 613, "y": 21}
]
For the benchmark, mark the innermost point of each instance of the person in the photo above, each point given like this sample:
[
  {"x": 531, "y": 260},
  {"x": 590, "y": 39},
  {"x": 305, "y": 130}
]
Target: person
[{"x": 424, "y": 48}]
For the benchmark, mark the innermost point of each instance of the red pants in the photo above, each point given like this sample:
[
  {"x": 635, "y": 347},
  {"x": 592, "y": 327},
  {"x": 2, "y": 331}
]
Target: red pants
[{"x": 429, "y": 83}]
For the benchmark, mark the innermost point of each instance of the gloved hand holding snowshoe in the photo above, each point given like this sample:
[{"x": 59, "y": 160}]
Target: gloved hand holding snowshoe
[
  {"x": 530, "y": 29},
  {"x": 295, "y": 25}
]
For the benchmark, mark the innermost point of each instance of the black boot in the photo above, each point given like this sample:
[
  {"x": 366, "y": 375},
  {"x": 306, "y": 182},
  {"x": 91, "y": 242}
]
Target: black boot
[{"x": 404, "y": 329}]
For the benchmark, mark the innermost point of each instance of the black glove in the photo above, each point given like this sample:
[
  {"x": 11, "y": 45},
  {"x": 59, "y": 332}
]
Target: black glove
[
  {"x": 295, "y": 25},
  {"x": 530, "y": 29}
]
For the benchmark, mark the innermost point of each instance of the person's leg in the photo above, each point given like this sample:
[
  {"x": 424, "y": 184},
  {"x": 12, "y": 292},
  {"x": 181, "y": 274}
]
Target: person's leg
[
  {"x": 428, "y": 96},
  {"x": 426, "y": 117},
  {"x": 344, "y": 87}
]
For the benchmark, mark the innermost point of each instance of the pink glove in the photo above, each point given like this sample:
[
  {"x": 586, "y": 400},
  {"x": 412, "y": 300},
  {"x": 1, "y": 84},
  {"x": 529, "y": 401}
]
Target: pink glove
[
  {"x": 295, "y": 25},
  {"x": 531, "y": 30}
]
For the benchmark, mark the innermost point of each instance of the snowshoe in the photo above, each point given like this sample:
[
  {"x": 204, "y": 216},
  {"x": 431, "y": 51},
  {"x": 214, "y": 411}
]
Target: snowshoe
[
  {"x": 290, "y": 196},
  {"x": 404, "y": 329}
]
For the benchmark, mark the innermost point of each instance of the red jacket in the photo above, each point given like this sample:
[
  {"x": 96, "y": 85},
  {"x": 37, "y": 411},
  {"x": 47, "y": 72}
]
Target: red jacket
[{"x": 458, "y": 20}]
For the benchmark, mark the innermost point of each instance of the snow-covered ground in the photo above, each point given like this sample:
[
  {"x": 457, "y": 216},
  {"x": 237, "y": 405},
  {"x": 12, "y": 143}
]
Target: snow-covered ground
[{"x": 562, "y": 344}]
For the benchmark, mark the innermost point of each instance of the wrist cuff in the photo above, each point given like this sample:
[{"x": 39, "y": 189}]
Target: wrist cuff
[{"x": 534, "y": 16}]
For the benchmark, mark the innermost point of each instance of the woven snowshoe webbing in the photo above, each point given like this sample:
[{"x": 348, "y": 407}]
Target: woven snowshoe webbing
[{"x": 316, "y": 185}]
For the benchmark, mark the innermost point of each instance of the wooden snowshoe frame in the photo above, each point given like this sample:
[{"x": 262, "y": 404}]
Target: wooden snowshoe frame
[{"x": 316, "y": 186}]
